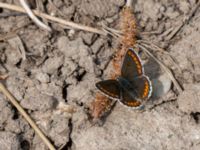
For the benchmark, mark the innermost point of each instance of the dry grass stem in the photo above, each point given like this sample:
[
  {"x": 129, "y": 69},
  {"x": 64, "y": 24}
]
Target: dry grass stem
[
  {"x": 111, "y": 31},
  {"x": 26, "y": 116},
  {"x": 161, "y": 50},
  {"x": 169, "y": 73}
]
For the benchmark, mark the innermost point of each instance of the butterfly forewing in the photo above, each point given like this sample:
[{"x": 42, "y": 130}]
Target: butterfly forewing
[
  {"x": 132, "y": 66},
  {"x": 110, "y": 88}
]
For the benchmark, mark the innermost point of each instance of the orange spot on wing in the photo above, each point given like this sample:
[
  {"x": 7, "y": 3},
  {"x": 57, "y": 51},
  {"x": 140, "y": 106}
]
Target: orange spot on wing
[
  {"x": 146, "y": 90},
  {"x": 137, "y": 61},
  {"x": 133, "y": 103}
]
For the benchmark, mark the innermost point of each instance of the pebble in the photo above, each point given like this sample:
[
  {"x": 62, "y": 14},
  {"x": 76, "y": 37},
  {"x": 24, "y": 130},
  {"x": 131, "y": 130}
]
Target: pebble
[
  {"x": 43, "y": 77},
  {"x": 161, "y": 85}
]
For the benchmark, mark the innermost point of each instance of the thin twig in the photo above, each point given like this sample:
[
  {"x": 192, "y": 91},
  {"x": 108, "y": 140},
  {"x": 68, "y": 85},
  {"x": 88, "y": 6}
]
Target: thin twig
[
  {"x": 169, "y": 73},
  {"x": 55, "y": 19},
  {"x": 111, "y": 31},
  {"x": 154, "y": 46},
  {"x": 54, "y": 6},
  {"x": 26, "y": 116},
  {"x": 33, "y": 17}
]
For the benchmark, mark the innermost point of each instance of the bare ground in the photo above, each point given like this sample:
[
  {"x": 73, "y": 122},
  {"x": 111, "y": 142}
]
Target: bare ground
[{"x": 61, "y": 68}]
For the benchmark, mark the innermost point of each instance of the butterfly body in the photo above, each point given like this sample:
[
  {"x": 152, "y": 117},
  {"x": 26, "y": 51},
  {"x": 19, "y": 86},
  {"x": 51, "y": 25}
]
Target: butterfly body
[
  {"x": 133, "y": 87},
  {"x": 126, "y": 86}
]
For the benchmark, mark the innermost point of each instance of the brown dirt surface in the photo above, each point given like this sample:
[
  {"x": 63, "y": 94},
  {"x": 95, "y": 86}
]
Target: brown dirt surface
[{"x": 53, "y": 77}]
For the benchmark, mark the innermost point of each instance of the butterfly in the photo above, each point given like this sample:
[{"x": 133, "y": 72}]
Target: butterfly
[{"x": 132, "y": 88}]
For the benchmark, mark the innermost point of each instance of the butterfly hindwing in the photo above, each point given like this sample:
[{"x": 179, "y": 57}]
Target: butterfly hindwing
[
  {"x": 110, "y": 88},
  {"x": 142, "y": 86},
  {"x": 132, "y": 66},
  {"x": 128, "y": 100}
]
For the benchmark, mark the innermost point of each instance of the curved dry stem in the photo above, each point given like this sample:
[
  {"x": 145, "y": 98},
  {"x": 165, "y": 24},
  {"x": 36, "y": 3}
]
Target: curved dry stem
[
  {"x": 54, "y": 19},
  {"x": 33, "y": 17}
]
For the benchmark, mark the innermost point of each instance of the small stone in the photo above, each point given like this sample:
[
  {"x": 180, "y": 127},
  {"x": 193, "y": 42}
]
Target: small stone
[
  {"x": 71, "y": 33},
  {"x": 162, "y": 9},
  {"x": 43, "y": 77},
  {"x": 161, "y": 85}
]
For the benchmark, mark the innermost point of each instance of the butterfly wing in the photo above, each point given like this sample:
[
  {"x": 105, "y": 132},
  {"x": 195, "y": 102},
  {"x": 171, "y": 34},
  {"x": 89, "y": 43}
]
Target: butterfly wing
[
  {"x": 110, "y": 88},
  {"x": 142, "y": 87},
  {"x": 128, "y": 100},
  {"x": 132, "y": 66}
]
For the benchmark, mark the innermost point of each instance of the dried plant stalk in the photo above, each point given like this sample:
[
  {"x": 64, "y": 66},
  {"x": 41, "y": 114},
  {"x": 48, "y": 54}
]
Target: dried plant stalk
[
  {"x": 128, "y": 28},
  {"x": 101, "y": 104}
]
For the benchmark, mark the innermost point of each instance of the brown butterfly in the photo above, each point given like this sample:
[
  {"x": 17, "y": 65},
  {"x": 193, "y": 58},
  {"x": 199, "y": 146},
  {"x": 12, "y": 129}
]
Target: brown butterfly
[{"x": 133, "y": 87}]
